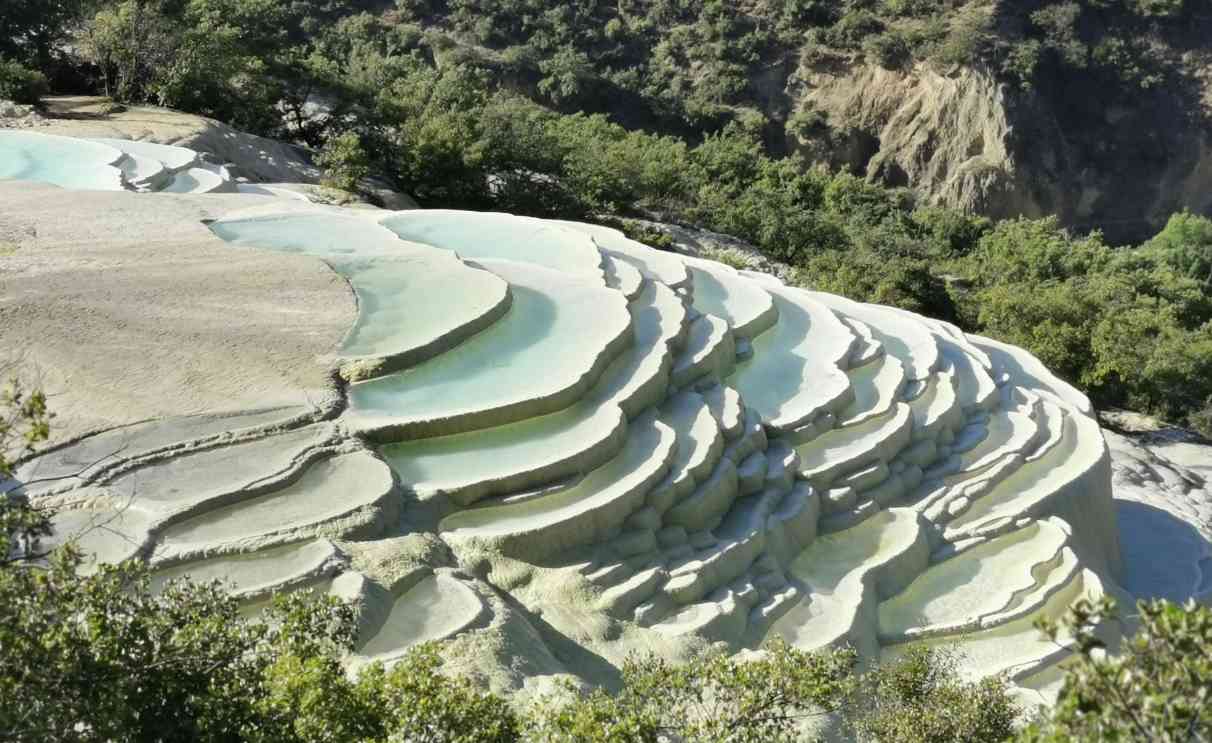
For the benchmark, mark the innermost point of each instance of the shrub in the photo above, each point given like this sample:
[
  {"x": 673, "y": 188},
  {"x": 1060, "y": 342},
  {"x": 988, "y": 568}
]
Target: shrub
[
  {"x": 807, "y": 121},
  {"x": 103, "y": 657},
  {"x": 21, "y": 84},
  {"x": 890, "y": 49},
  {"x": 1037, "y": 251},
  {"x": 953, "y": 231},
  {"x": 1201, "y": 420},
  {"x": 853, "y": 28},
  {"x": 1021, "y": 62},
  {"x": 970, "y": 35},
  {"x": 1059, "y": 25},
  {"x": 921, "y": 698},
  {"x": 345, "y": 162},
  {"x": 1155, "y": 687},
  {"x": 1132, "y": 62},
  {"x": 24, "y": 423},
  {"x": 713, "y": 698},
  {"x": 565, "y": 74},
  {"x": 911, "y": 7},
  {"x": 729, "y": 257},
  {"x": 643, "y": 234},
  {"x": 867, "y": 277}
]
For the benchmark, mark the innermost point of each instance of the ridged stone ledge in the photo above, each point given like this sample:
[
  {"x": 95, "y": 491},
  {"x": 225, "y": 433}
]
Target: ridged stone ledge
[{"x": 648, "y": 451}]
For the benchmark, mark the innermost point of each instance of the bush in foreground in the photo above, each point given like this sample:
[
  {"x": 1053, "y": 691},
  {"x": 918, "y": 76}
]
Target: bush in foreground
[
  {"x": 921, "y": 697},
  {"x": 103, "y": 657},
  {"x": 714, "y": 698},
  {"x": 1157, "y": 686}
]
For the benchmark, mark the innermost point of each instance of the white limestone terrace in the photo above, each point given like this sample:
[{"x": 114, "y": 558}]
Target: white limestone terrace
[
  {"x": 109, "y": 164},
  {"x": 649, "y": 452},
  {"x": 62, "y": 161}
]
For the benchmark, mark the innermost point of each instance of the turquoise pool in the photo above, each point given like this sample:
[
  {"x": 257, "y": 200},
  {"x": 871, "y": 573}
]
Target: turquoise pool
[{"x": 62, "y": 161}]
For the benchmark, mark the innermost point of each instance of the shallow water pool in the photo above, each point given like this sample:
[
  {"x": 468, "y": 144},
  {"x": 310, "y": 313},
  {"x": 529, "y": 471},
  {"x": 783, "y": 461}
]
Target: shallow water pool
[{"x": 61, "y": 161}]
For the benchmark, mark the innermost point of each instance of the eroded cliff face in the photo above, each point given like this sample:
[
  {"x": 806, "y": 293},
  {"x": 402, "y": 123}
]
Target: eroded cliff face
[{"x": 962, "y": 138}]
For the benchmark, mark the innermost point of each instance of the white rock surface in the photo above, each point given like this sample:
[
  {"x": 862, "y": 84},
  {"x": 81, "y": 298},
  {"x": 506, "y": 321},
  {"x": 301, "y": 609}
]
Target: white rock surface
[
  {"x": 1164, "y": 501},
  {"x": 587, "y": 455}
]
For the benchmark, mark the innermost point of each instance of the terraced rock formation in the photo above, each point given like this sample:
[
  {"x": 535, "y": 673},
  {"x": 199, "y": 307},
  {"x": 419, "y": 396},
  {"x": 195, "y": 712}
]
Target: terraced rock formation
[
  {"x": 104, "y": 163},
  {"x": 554, "y": 446}
]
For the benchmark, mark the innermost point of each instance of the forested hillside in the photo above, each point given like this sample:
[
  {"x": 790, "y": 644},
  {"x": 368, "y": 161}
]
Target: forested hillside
[{"x": 703, "y": 113}]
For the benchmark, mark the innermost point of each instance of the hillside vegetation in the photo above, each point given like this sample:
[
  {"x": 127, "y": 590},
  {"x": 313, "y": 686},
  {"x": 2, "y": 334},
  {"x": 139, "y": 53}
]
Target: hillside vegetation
[
  {"x": 469, "y": 104},
  {"x": 702, "y": 65}
]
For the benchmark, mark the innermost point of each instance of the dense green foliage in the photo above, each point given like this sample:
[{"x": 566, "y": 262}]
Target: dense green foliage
[
  {"x": 104, "y": 658},
  {"x": 1157, "y": 686},
  {"x": 93, "y": 653},
  {"x": 695, "y": 66},
  {"x": 21, "y": 84},
  {"x": 689, "y": 67},
  {"x": 344, "y": 161},
  {"x": 714, "y": 698},
  {"x": 30, "y": 30},
  {"x": 1133, "y": 327},
  {"x": 920, "y": 698},
  {"x": 230, "y": 59}
]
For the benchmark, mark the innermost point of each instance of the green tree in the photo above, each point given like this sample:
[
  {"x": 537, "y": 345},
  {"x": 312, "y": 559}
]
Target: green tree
[
  {"x": 30, "y": 30},
  {"x": 565, "y": 73},
  {"x": 24, "y": 423},
  {"x": 132, "y": 43},
  {"x": 1053, "y": 320},
  {"x": 1158, "y": 8},
  {"x": 890, "y": 49},
  {"x": 236, "y": 62},
  {"x": 104, "y": 658},
  {"x": 345, "y": 162},
  {"x": 1058, "y": 23},
  {"x": 869, "y": 277},
  {"x": 1034, "y": 250}
]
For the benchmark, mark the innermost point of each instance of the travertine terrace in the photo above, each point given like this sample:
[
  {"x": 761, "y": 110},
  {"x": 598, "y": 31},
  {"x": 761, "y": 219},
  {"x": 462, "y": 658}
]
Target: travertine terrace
[{"x": 545, "y": 442}]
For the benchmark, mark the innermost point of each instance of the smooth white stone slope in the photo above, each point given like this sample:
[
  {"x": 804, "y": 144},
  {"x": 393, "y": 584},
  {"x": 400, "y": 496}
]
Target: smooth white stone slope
[{"x": 644, "y": 449}]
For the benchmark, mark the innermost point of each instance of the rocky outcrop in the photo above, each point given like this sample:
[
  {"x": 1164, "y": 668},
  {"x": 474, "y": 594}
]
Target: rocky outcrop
[
  {"x": 16, "y": 116},
  {"x": 1163, "y": 489},
  {"x": 105, "y": 288},
  {"x": 962, "y": 138},
  {"x": 946, "y": 135}
]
